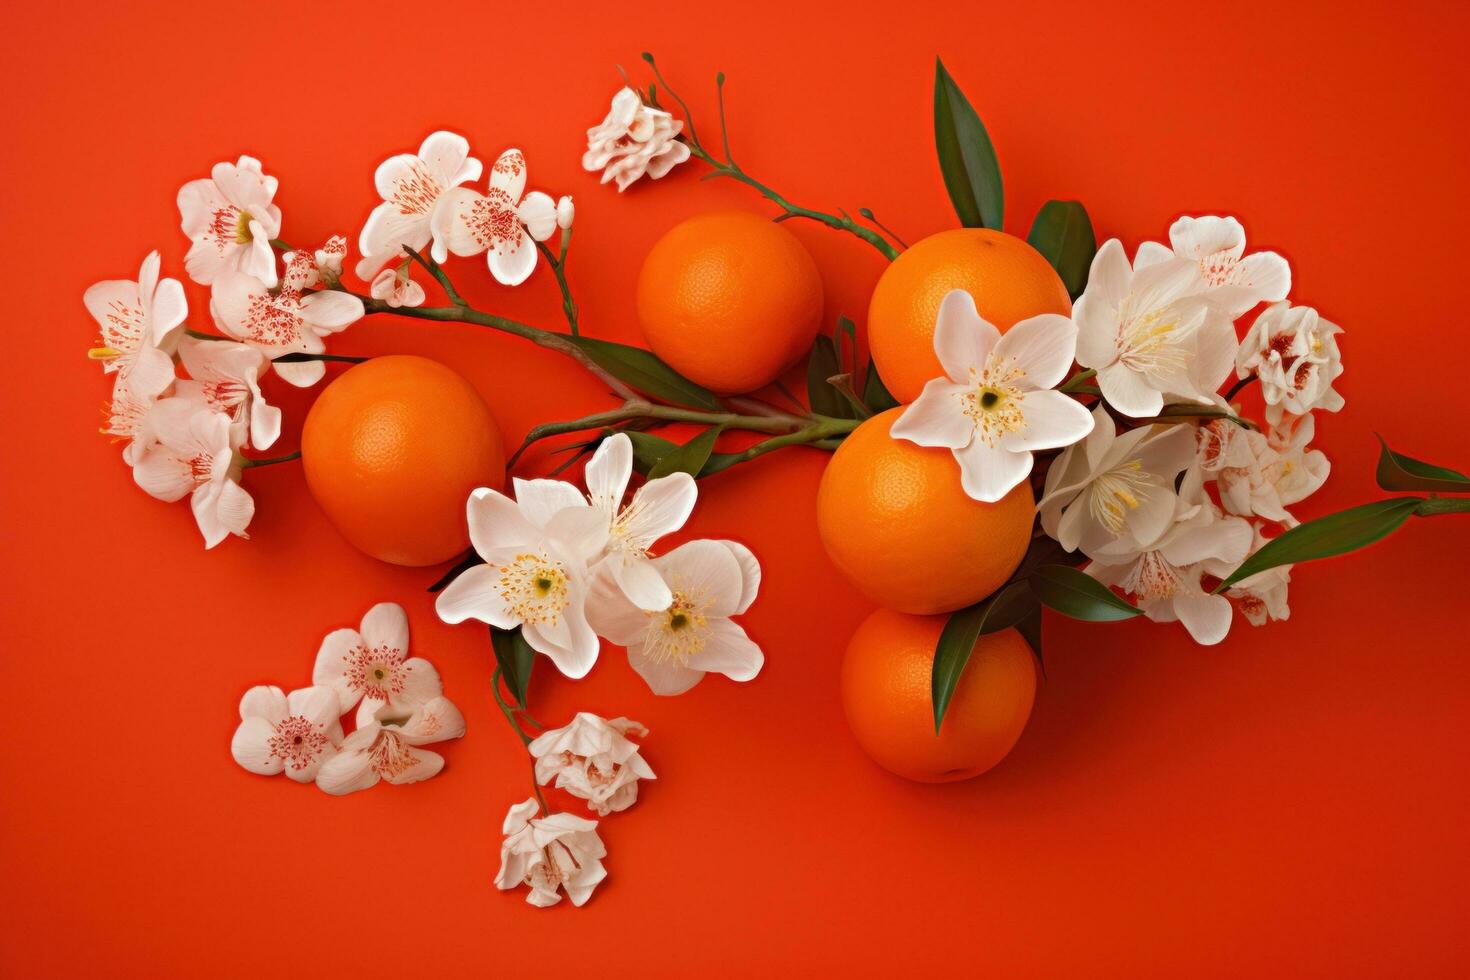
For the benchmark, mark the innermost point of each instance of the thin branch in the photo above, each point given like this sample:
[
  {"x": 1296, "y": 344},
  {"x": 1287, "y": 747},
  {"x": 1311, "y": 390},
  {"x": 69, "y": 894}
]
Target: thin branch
[
  {"x": 558, "y": 268},
  {"x": 437, "y": 271}
]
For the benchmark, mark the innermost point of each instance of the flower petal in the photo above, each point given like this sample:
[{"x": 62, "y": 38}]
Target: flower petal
[
  {"x": 1042, "y": 346},
  {"x": 474, "y": 594},
  {"x": 727, "y": 650},
  {"x": 1207, "y": 617},
  {"x": 348, "y": 771},
  {"x": 665, "y": 678},
  {"x": 509, "y": 174},
  {"x": 330, "y": 668},
  {"x": 513, "y": 263},
  {"x": 640, "y": 581},
  {"x": 1127, "y": 391},
  {"x": 538, "y": 213},
  {"x": 1052, "y": 420},
  {"x": 750, "y": 570},
  {"x": 608, "y": 472},
  {"x": 707, "y": 569},
  {"x": 496, "y": 523},
  {"x": 386, "y": 624},
  {"x": 426, "y": 765},
  {"x": 659, "y": 507},
  {"x": 300, "y": 374},
  {"x": 936, "y": 418},
  {"x": 541, "y": 500},
  {"x": 251, "y": 747},
  {"x": 963, "y": 338},
  {"x": 989, "y": 473},
  {"x": 264, "y": 701}
]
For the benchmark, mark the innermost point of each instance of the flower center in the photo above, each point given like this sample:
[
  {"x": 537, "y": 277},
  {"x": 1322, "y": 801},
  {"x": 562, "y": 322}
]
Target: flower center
[
  {"x": 1153, "y": 577},
  {"x": 994, "y": 401},
  {"x": 273, "y": 320},
  {"x": 390, "y": 756},
  {"x": 416, "y": 191},
  {"x": 535, "y": 587},
  {"x": 1149, "y": 342},
  {"x": 1117, "y": 493},
  {"x": 297, "y": 742},
  {"x": 677, "y": 633},
  {"x": 243, "y": 235},
  {"x": 377, "y": 672}
]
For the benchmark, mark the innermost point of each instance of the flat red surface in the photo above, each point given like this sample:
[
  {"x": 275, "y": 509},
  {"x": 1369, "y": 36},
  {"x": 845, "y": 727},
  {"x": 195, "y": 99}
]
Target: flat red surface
[{"x": 1292, "y": 802}]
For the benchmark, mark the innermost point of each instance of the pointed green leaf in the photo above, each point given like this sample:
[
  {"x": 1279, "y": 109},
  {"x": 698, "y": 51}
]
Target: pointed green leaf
[
  {"x": 648, "y": 450},
  {"x": 1062, "y": 232},
  {"x": 688, "y": 458},
  {"x": 515, "y": 658},
  {"x": 644, "y": 371},
  {"x": 1079, "y": 595},
  {"x": 1335, "y": 534},
  {"x": 1030, "y": 629},
  {"x": 1005, "y": 608},
  {"x": 875, "y": 393},
  {"x": 966, "y": 157},
  {"x": 1399, "y": 472}
]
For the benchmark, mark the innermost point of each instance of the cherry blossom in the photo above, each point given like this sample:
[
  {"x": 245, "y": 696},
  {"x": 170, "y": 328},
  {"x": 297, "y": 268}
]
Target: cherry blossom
[
  {"x": 1114, "y": 492},
  {"x": 1261, "y": 598},
  {"x": 994, "y": 405},
  {"x": 230, "y": 219},
  {"x": 312, "y": 270},
  {"x": 1275, "y": 471},
  {"x": 1150, "y": 334},
  {"x": 550, "y": 854},
  {"x": 282, "y": 323},
  {"x": 1293, "y": 350},
  {"x": 1227, "y": 276},
  {"x": 535, "y": 576},
  {"x": 226, "y": 376},
  {"x": 184, "y": 447},
  {"x": 411, "y": 186},
  {"x": 634, "y": 139},
  {"x": 565, "y": 211},
  {"x": 139, "y": 323},
  {"x": 500, "y": 223},
  {"x": 673, "y": 648},
  {"x": 371, "y": 664},
  {"x": 386, "y": 746},
  {"x": 127, "y": 409},
  {"x": 394, "y": 287},
  {"x": 594, "y": 760},
  {"x": 294, "y": 733}
]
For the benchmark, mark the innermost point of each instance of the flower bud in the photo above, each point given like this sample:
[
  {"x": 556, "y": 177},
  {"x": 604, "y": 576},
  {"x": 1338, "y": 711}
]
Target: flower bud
[{"x": 564, "y": 213}]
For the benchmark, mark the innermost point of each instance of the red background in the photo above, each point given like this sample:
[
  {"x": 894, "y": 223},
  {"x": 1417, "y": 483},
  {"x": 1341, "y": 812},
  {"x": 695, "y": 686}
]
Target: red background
[{"x": 1290, "y": 802}]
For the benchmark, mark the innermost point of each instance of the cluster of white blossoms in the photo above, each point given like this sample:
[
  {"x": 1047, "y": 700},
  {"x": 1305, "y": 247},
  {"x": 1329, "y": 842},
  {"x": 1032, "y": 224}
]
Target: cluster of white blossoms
[
  {"x": 397, "y": 702},
  {"x": 633, "y": 140},
  {"x": 566, "y": 567},
  {"x": 1162, "y": 503},
  {"x": 273, "y": 307},
  {"x": 592, "y": 759}
]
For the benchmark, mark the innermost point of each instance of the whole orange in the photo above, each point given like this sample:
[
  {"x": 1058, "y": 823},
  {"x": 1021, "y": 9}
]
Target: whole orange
[
  {"x": 887, "y": 697},
  {"x": 392, "y": 449},
  {"x": 729, "y": 300},
  {"x": 896, "y": 521},
  {"x": 1009, "y": 279}
]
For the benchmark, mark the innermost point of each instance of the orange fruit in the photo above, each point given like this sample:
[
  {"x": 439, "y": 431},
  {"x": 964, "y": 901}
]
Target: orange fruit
[
  {"x": 392, "y": 449},
  {"x": 1008, "y": 278},
  {"x": 896, "y": 521},
  {"x": 886, "y": 695},
  {"x": 729, "y": 300}
]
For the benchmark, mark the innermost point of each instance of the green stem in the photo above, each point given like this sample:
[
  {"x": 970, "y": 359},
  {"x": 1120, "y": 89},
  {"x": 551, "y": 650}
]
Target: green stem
[
  {"x": 199, "y": 335},
  {"x": 1076, "y": 381},
  {"x": 729, "y": 168},
  {"x": 437, "y": 271},
  {"x": 510, "y": 716},
  {"x": 1444, "y": 505},
  {"x": 558, "y": 268},
  {"x": 271, "y": 461},
  {"x": 297, "y": 357},
  {"x": 1239, "y": 386}
]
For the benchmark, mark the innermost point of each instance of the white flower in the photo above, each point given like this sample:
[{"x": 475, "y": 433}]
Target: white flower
[
  {"x": 386, "y": 746},
  {"x": 394, "y": 287},
  {"x": 994, "y": 405},
  {"x": 186, "y": 447},
  {"x": 1273, "y": 472},
  {"x": 1114, "y": 493},
  {"x": 312, "y": 270},
  {"x": 535, "y": 577},
  {"x": 128, "y": 408},
  {"x": 230, "y": 219},
  {"x": 1262, "y": 597},
  {"x": 371, "y": 664},
  {"x": 1231, "y": 279},
  {"x": 565, "y": 211},
  {"x": 292, "y": 733},
  {"x": 1164, "y": 577},
  {"x": 633, "y": 140},
  {"x": 550, "y": 853},
  {"x": 411, "y": 186},
  {"x": 594, "y": 760},
  {"x": 673, "y": 648},
  {"x": 499, "y": 222},
  {"x": 226, "y": 376},
  {"x": 139, "y": 323},
  {"x": 1294, "y": 352},
  {"x": 282, "y": 323},
  {"x": 1149, "y": 333}
]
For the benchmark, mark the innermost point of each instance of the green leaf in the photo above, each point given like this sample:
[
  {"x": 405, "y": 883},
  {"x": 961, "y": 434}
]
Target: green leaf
[
  {"x": 1399, "y": 472},
  {"x": 966, "y": 157},
  {"x": 648, "y": 450},
  {"x": 688, "y": 458},
  {"x": 1079, "y": 595},
  {"x": 1062, "y": 232},
  {"x": 821, "y": 365},
  {"x": 875, "y": 393},
  {"x": 1335, "y": 534},
  {"x": 846, "y": 356},
  {"x": 516, "y": 659},
  {"x": 645, "y": 372},
  {"x": 1005, "y": 608},
  {"x": 1030, "y": 629}
]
